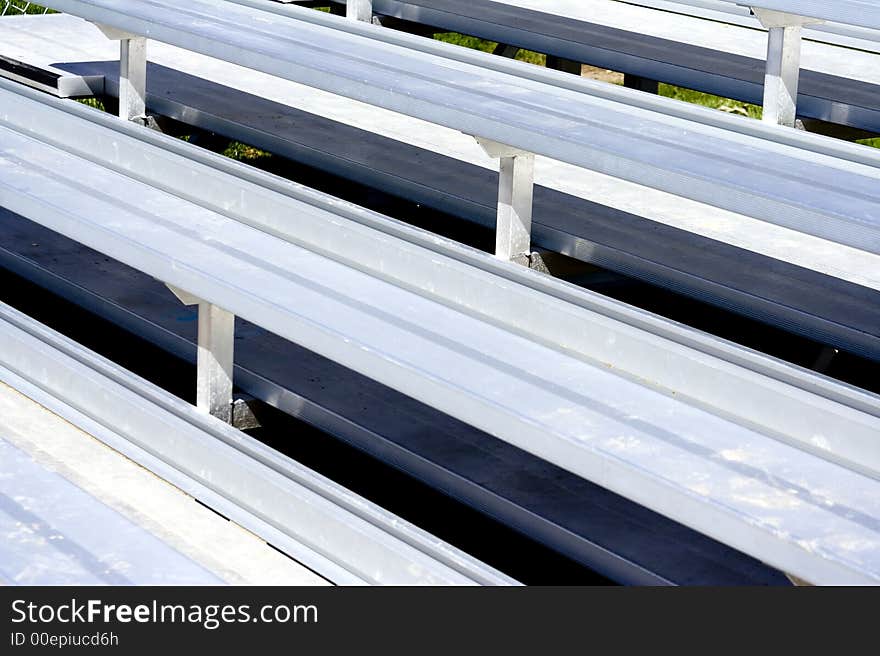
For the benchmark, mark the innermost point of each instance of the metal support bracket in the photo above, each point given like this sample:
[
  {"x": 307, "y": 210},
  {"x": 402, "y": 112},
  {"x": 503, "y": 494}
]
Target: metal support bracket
[
  {"x": 215, "y": 356},
  {"x": 783, "y": 64},
  {"x": 559, "y": 265},
  {"x": 564, "y": 65},
  {"x": 641, "y": 84},
  {"x": 504, "y": 50},
  {"x": 361, "y": 10},
  {"x": 825, "y": 358},
  {"x": 243, "y": 415},
  {"x": 516, "y": 183},
  {"x": 132, "y": 73}
]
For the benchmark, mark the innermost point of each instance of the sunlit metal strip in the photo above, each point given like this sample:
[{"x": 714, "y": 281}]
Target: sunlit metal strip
[{"x": 864, "y": 13}]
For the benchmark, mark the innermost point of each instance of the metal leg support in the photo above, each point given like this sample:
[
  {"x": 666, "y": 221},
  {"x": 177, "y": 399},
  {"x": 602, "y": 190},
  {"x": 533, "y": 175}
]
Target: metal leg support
[
  {"x": 361, "y": 10},
  {"x": 505, "y": 50},
  {"x": 133, "y": 78},
  {"x": 516, "y": 183},
  {"x": 783, "y": 64},
  {"x": 564, "y": 65},
  {"x": 641, "y": 84},
  {"x": 781, "y": 78},
  {"x": 825, "y": 358},
  {"x": 132, "y": 73},
  {"x": 214, "y": 377},
  {"x": 215, "y": 357}
]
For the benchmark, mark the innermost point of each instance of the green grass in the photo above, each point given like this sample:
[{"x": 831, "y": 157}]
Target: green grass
[
  {"x": 708, "y": 100},
  {"x": 21, "y": 4},
  {"x": 244, "y": 153},
  {"x": 97, "y": 103},
  {"x": 488, "y": 46}
]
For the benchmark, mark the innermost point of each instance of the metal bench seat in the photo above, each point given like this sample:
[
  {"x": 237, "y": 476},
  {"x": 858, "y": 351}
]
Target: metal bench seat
[{"x": 765, "y": 457}]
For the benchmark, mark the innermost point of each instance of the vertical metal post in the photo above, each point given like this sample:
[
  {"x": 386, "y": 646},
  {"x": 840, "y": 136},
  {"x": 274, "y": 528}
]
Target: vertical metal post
[
  {"x": 132, "y": 72},
  {"x": 133, "y": 78},
  {"x": 826, "y": 357},
  {"x": 564, "y": 65},
  {"x": 361, "y": 10},
  {"x": 641, "y": 84},
  {"x": 516, "y": 183},
  {"x": 215, "y": 361},
  {"x": 783, "y": 64},
  {"x": 504, "y": 50},
  {"x": 513, "y": 233},
  {"x": 783, "y": 74}
]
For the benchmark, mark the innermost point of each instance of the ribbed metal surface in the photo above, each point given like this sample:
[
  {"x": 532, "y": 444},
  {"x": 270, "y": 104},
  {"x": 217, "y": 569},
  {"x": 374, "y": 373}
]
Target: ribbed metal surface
[
  {"x": 719, "y": 160},
  {"x": 569, "y": 30},
  {"x": 865, "y": 13},
  {"x": 736, "y": 445}
]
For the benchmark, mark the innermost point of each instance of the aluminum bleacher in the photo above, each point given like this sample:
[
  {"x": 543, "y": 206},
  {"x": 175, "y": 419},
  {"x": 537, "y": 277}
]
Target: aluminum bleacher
[
  {"x": 768, "y": 458},
  {"x": 574, "y": 219},
  {"x": 721, "y": 50},
  {"x": 587, "y": 411}
]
